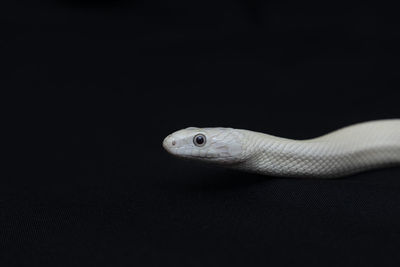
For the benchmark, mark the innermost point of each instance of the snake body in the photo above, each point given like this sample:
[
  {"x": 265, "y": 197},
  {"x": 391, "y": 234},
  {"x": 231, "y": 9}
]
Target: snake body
[{"x": 346, "y": 151}]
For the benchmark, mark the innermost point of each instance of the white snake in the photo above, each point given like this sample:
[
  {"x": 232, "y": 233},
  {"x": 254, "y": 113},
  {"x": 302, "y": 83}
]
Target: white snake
[{"x": 346, "y": 151}]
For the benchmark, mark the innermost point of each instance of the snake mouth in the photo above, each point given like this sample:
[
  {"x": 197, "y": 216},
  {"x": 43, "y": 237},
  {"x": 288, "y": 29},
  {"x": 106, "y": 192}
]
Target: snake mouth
[
  {"x": 169, "y": 144},
  {"x": 181, "y": 153}
]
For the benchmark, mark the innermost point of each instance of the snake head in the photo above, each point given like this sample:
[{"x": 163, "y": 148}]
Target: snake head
[{"x": 218, "y": 145}]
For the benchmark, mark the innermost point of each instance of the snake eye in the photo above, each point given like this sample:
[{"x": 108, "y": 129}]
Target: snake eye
[{"x": 199, "y": 140}]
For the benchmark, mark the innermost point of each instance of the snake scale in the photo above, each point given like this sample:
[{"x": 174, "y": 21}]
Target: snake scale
[{"x": 349, "y": 150}]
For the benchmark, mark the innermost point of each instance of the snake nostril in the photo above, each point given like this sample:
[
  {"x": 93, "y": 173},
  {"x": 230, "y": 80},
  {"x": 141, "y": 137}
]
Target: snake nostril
[{"x": 173, "y": 142}]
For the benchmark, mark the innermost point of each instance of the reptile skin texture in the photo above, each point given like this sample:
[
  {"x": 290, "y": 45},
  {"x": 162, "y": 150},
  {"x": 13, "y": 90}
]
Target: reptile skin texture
[{"x": 346, "y": 151}]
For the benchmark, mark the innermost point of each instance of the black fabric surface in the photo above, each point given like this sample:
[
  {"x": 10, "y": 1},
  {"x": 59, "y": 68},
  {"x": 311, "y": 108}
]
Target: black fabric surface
[{"x": 91, "y": 88}]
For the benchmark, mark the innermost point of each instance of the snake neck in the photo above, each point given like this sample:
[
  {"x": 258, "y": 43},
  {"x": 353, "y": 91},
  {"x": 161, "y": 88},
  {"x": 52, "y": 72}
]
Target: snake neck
[{"x": 267, "y": 154}]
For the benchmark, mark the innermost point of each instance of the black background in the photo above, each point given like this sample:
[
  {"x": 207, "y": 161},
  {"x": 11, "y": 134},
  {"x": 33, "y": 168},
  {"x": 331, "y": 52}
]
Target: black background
[{"x": 91, "y": 88}]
